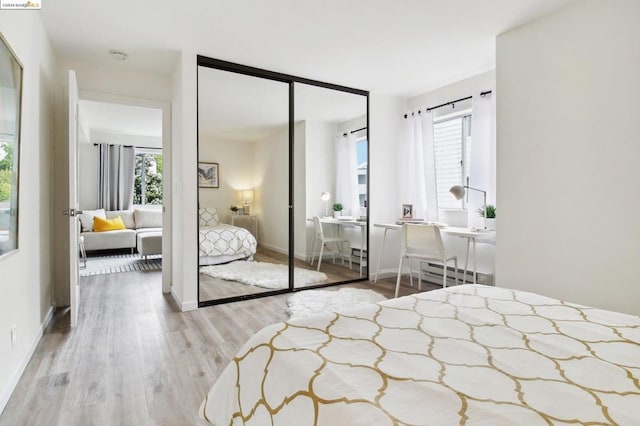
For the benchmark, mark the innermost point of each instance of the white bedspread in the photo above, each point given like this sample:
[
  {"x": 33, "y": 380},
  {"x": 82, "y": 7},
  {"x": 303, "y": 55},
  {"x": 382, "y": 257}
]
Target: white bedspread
[
  {"x": 461, "y": 355},
  {"x": 226, "y": 240}
]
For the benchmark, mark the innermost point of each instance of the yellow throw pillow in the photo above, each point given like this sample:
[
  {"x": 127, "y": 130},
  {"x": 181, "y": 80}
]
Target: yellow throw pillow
[{"x": 101, "y": 225}]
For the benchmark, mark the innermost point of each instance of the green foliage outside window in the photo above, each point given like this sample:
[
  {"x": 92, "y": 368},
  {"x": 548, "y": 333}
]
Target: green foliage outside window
[
  {"x": 151, "y": 166},
  {"x": 6, "y": 170}
]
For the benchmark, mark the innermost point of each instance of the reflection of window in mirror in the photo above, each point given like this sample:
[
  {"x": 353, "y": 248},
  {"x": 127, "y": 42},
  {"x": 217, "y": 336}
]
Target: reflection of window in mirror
[{"x": 361, "y": 154}]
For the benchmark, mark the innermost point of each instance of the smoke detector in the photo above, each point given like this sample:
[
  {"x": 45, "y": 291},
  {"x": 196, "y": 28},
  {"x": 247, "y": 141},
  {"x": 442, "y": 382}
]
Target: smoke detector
[{"x": 118, "y": 55}]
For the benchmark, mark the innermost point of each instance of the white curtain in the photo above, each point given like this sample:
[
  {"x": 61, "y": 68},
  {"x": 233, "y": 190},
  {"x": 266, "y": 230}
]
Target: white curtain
[
  {"x": 346, "y": 175},
  {"x": 117, "y": 167},
  {"x": 418, "y": 165},
  {"x": 483, "y": 155}
]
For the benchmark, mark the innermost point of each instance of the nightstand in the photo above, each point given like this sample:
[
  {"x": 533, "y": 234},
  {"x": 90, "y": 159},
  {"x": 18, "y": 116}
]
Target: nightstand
[{"x": 246, "y": 221}]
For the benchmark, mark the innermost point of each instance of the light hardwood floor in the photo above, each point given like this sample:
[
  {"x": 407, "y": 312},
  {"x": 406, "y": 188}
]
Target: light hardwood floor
[{"x": 134, "y": 359}]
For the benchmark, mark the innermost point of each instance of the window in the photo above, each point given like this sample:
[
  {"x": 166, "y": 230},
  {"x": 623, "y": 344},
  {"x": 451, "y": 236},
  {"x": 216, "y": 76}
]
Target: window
[
  {"x": 452, "y": 145},
  {"x": 361, "y": 154},
  {"x": 147, "y": 184}
]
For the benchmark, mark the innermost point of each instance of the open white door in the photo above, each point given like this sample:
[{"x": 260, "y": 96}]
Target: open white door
[{"x": 73, "y": 199}]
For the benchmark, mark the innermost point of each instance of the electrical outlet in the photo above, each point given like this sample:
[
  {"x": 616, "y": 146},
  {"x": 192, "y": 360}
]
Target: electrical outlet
[{"x": 14, "y": 335}]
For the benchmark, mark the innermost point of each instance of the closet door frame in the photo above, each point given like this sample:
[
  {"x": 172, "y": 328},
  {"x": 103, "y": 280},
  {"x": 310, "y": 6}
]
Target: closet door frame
[{"x": 221, "y": 65}]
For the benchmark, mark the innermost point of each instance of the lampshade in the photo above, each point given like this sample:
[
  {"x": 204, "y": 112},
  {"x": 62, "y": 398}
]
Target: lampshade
[
  {"x": 325, "y": 196},
  {"x": 457, "y": 191},
  {"x": 247, "y": 196}
]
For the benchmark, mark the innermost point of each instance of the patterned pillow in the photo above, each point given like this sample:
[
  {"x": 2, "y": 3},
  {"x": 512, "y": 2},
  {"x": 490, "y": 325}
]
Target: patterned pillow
[{"x": 209, "y": 216}]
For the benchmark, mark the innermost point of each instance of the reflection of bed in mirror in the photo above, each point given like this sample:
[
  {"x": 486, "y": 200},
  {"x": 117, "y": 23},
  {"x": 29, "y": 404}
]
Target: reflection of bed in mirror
[{"x": 222, "y": 243}]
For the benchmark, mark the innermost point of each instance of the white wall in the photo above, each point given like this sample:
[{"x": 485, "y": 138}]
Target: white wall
[
  {"x": 89, "y": 176},
  {"x": 25, "y": 283},
  {"x": 184, "y": 157},
  {"x": 236, "y": 172},
  {"x": 272, "y": 189},
  {"x": 568, "y": 151},
  {"x": 386, "y": 127}
]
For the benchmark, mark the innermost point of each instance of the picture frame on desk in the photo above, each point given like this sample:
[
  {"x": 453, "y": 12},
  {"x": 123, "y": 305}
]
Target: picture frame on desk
[{"x": 407, "y": 211}]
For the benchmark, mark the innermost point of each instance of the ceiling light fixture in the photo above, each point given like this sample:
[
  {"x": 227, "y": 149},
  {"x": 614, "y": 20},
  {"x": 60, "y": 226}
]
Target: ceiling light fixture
[{"x": 118, "y": 55}]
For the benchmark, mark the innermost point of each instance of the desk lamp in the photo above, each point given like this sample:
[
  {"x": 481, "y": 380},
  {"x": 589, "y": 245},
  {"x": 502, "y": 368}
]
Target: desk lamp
[
  {"x": 458, "y": 192},
  {"x": 325, "y": 196}
]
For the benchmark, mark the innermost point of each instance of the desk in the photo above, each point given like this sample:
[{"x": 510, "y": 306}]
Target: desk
[
  {"x": 350, "y": 222},
  {"x": 467, "y": 233}
]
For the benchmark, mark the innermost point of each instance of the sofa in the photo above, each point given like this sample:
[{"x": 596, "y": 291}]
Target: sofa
[{"x": 143, "y": 231}]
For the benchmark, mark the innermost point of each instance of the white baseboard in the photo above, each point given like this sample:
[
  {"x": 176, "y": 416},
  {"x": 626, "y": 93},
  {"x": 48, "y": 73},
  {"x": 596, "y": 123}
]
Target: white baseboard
[
  {"x": 13, "y": 382},
  {"x": 184, "y": 306}
]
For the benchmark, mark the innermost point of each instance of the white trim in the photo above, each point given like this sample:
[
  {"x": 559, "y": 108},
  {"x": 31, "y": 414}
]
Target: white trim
[
  {"x": 13, "y": 382},
  {"x": 186, "y": 306}
]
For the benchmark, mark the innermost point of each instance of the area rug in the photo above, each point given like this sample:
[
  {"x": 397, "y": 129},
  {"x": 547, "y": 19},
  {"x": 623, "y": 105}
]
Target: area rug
[
  {"x": 313, "y": 302},
  {"x": 263, "y": 274},
  {"x": 113, "y": 264}
]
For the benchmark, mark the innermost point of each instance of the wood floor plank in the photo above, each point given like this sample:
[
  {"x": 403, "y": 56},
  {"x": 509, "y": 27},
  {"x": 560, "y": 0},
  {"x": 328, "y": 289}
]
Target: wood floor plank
[{"x": 134, "y": 358}]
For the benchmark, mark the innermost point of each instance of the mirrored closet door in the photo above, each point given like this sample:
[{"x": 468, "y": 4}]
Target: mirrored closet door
[
  {"x": 330, "y": 186},
  {"x": 243, "y": 179},
  {"x": 283, "y": 183}
]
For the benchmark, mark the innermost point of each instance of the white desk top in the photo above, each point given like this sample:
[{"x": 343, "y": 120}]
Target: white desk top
[
  {"x": 451, "y": 230},
  {"x": 341, "y": 221}
]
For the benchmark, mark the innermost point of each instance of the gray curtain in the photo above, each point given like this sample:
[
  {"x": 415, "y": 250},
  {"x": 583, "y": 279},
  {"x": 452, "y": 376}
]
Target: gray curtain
[{"x": 117, "y": 167}]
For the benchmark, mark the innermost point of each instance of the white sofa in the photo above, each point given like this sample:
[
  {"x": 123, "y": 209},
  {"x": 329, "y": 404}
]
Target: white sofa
[{"x": 137, "y": 221}]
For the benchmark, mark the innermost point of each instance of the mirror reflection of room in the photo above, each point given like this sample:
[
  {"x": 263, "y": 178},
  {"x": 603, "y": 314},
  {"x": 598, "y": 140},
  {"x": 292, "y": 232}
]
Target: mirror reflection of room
[
  {"x": 331, "y": 180},
  {"x": 243, "y": 195}
]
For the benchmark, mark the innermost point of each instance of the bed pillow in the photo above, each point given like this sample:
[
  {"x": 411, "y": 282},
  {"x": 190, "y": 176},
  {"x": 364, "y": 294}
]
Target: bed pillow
[
  {"x": 86, "y": 218},
  {"x": 102, "y": 225},
  {"x": 148, "y": 218},
  {"x": 209, "y": 216}
]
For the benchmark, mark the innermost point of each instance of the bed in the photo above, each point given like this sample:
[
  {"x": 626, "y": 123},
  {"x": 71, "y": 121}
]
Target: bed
[
  {"x": 222, "y": 243},
  {"x": 468, "y": 354}
]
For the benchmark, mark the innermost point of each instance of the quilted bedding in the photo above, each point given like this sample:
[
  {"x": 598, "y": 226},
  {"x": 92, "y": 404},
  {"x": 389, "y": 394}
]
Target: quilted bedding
[
  {"x": 468, "y": 354},
  {"x": 226, "y": 240}
]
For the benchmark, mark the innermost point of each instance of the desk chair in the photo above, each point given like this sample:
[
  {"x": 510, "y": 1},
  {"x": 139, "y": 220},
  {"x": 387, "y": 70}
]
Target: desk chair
[
  {"x": 424, "y": 243},
  {"x": 323, "y": 239}
]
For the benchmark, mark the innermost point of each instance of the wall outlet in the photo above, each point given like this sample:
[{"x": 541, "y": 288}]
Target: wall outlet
[{"x": 14, "y": 335}]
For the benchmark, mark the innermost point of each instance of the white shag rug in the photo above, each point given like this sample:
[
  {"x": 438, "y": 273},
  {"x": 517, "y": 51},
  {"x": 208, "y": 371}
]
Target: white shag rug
[
  {"x": 263, "y": 274},
  {"x": 313, "y": 302}
]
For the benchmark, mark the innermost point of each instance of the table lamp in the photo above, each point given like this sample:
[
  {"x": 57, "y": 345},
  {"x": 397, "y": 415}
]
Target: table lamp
[
  {"x": 325, "y": 196},
  {"x": 247, "y": 198},
  {"x": 458, "y": 192}
]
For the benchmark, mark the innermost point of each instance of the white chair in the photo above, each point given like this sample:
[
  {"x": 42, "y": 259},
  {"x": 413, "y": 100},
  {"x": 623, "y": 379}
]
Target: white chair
[
  {"x": 322, "y": 239},
  {"x": 424, "y": 243}
]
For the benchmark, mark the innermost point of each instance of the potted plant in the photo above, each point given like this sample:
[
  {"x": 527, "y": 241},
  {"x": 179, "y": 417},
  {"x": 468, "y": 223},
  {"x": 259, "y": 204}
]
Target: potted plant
[
  {"x": 234, "y": 210},
  {"x": 337, "y": 210},
  {"x": 491, "y": 216}
]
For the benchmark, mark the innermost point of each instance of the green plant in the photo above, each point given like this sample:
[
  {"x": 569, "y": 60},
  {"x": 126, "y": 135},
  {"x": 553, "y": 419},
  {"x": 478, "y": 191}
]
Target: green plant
[
  {"x": 337, "y": 207},
  {"x": 234, "y": 208},
  {"x": 491, "y": 211}
]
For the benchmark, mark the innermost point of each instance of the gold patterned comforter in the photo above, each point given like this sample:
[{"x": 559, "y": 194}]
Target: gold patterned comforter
[{"x": 463, "y": 355}]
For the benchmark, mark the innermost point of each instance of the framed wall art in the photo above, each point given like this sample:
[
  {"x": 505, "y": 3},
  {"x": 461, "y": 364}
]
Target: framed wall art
[{"x": 208, "y": 175}]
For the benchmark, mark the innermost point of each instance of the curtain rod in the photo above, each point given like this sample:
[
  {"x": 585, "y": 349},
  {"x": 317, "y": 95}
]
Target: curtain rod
[
  {"x": 485, "y": 93},
  {"x": 130, "y": 146},
  {"x": 355, "y": 131}
]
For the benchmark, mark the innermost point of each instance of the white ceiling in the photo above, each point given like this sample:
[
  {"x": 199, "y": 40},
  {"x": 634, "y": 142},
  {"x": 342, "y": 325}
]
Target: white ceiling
[
  {"x": 397, "y": 47},
  {"x": 106, "y": 117}
]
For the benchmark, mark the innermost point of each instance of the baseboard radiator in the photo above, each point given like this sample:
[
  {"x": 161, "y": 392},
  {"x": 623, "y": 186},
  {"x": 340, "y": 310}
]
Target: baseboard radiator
[{"x": 433, "y": 273}]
